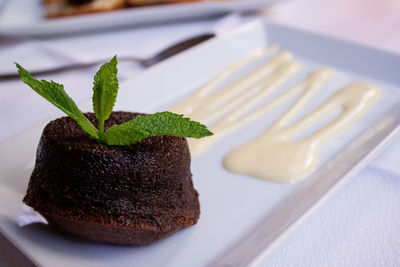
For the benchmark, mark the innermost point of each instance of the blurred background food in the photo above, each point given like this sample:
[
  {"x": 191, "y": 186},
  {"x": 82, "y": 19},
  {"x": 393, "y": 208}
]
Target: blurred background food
[{"x": 59, "y": 8}]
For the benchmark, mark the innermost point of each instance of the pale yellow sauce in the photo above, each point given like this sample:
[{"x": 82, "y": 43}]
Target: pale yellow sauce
[
  {"x": 275, "y": 155},
  {"x": 236, "y": 99}
]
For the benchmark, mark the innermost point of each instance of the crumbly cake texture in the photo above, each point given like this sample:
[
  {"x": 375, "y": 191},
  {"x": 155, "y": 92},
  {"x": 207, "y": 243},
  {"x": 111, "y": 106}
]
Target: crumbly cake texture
[{"x": 131, "y": 195}]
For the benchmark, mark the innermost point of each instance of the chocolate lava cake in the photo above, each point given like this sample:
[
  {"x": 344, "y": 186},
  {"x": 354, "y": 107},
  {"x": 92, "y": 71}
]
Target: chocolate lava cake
[{"x": 132, "y": 195}]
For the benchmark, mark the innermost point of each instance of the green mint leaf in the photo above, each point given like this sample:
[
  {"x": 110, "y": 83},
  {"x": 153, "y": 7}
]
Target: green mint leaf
[
  {"x": 105, "y": 90},
  {"x": 56, "y": 95},
  {"x": 162, "y": 123}
]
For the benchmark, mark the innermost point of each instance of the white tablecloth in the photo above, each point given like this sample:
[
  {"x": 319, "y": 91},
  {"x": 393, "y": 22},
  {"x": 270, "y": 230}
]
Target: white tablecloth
[{"x": 357, "y": 227}]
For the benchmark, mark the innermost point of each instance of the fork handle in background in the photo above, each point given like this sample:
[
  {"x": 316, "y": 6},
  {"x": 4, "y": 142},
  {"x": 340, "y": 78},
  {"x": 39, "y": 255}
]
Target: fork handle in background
[
  {"x": 162, "y": 55},
  {"x": 176, "y": 49}
]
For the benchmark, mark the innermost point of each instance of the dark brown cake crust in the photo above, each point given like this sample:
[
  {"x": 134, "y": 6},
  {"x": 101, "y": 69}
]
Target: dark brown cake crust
[{"x": 132, "y": 195}]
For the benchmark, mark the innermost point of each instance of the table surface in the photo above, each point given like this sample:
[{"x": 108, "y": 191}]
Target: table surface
[{"x": 356, "y": 227}]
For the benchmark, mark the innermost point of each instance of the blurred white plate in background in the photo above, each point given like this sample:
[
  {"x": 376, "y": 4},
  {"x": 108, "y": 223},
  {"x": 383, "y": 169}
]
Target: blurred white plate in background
[{"x": 26, "y": 17}]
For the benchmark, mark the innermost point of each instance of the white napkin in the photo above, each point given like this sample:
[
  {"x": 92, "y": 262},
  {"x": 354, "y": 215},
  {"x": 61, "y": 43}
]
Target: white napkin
[
  {"x": 140, "y": 42},
  {"x": 356, "y": 227}
]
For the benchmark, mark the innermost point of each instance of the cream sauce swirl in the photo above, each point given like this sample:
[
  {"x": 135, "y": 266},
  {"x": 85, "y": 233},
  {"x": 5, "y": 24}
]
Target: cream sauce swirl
[
  {"x": 275, "y": 155},
  {"x": 224, "y": 108}
]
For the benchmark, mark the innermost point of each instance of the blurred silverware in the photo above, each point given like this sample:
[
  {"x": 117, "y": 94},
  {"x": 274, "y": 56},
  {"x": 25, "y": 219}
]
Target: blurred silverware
[{"x": 146, "y": 62}]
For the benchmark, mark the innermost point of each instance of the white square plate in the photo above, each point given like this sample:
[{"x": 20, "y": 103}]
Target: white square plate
[{"x": 232, "y": 206}]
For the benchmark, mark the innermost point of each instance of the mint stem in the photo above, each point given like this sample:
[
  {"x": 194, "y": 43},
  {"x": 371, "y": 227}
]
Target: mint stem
[{"x": 101, "y": 131}]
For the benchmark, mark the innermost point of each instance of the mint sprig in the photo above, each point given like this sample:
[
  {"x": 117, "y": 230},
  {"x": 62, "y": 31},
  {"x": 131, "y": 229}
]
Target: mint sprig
[
  {"x": 161, "y": 123},
  {"x": 105, "y": 90},
  {"x": 56, "y": 95}
]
